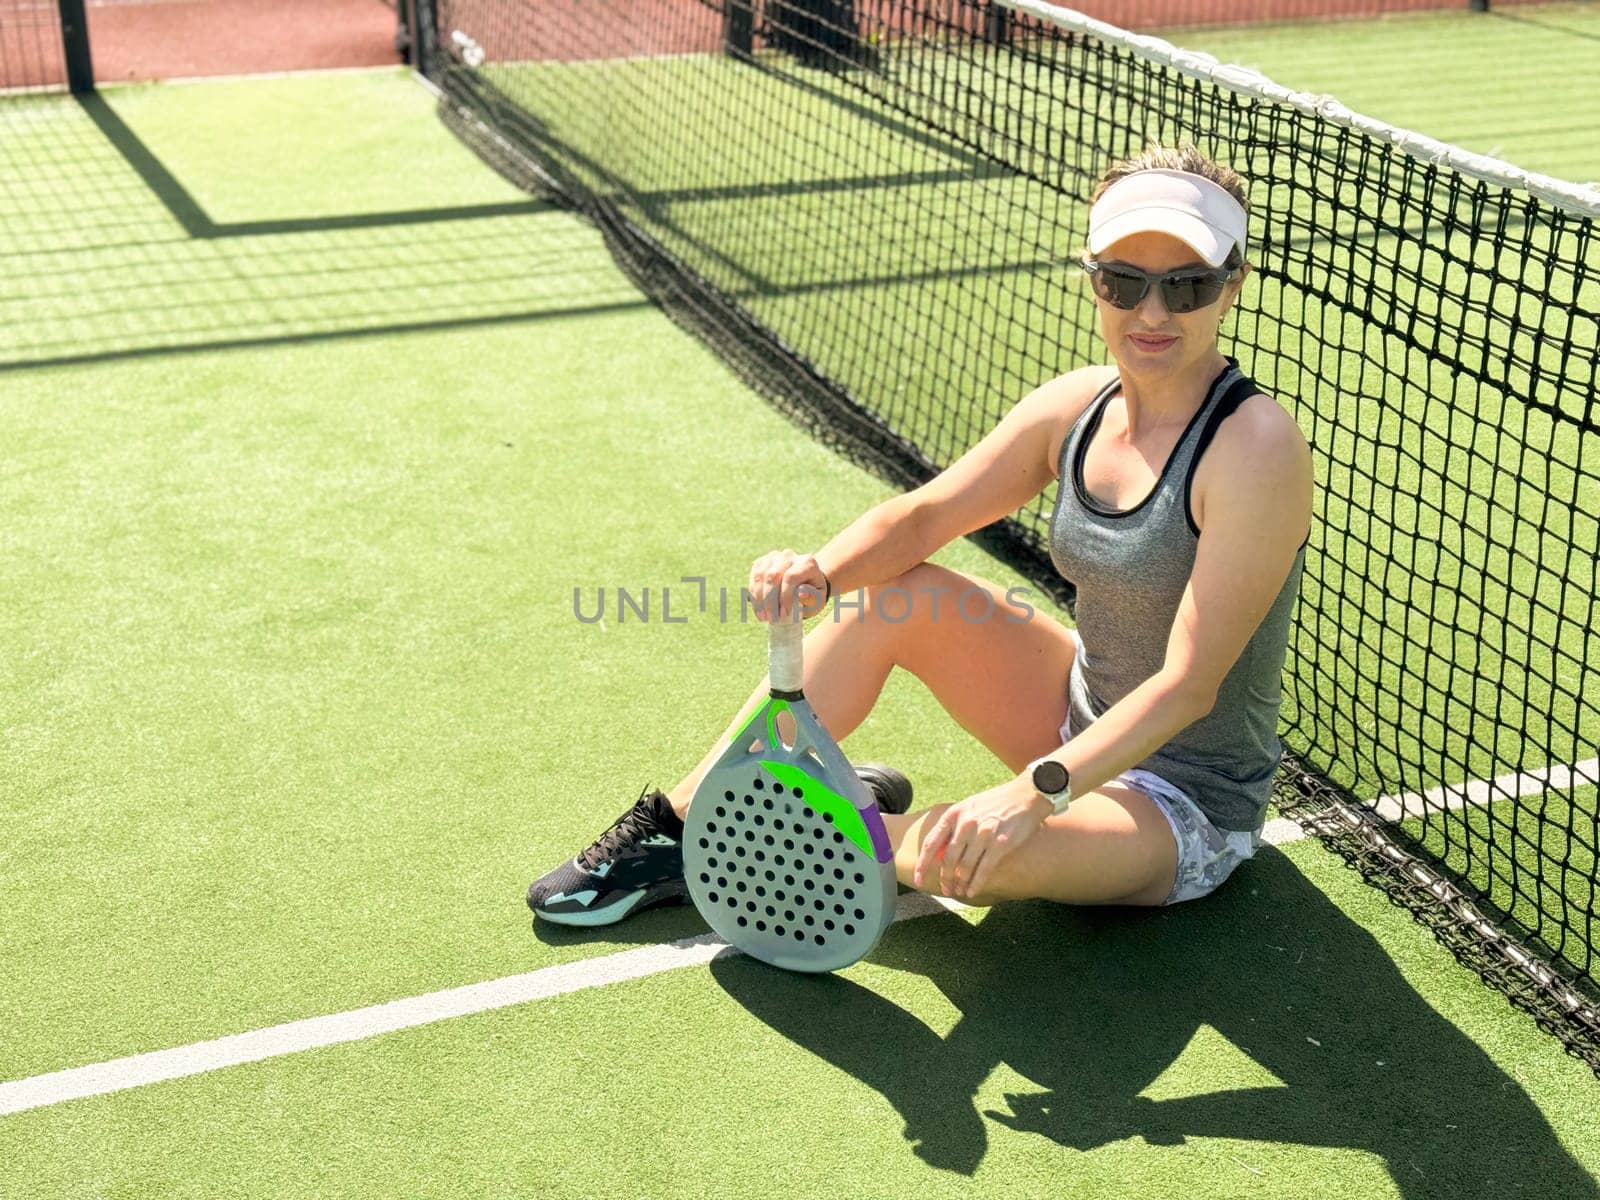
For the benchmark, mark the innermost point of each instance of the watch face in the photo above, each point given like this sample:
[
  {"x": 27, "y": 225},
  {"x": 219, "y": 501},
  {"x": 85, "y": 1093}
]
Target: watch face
[{"x": 1050, "y": 777}]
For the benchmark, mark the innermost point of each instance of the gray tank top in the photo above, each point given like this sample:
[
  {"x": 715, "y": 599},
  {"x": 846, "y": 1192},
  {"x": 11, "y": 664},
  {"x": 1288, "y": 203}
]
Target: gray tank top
[{"x": 1130, "y": 567}]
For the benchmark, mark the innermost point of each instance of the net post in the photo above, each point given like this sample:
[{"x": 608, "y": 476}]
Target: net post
[
  {"x": 424, "y": 37},
  {"x": 75, "y": 44},
  {"x": 1478, "y": 5},
  {"x": 997, "y": 24},
  {"x": 405, "y": 22},
  {"x": 816, "y": 32},
  {"x": 739, "y": 28}
]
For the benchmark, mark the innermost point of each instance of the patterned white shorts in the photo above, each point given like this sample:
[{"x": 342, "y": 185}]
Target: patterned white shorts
[{"x": 1206, "y": 855}]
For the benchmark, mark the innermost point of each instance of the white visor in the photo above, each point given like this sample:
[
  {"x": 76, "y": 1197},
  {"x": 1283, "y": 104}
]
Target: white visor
[{"x": 1190, "y": 208}]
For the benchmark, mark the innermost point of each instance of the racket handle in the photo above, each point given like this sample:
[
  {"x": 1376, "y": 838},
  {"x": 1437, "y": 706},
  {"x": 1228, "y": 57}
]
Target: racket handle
[{"x": 783, "y": 654}]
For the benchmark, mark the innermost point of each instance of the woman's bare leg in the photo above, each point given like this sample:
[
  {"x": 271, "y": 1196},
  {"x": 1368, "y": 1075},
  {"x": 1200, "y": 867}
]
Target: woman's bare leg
[
  {"x": 1000, "y": 669},
  {"x": 1112, "y": 846}
]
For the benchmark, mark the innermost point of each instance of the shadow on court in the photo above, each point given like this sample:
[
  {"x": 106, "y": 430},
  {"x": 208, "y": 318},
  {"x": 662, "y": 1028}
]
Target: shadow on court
[{"x": 1093, "y": 1005}]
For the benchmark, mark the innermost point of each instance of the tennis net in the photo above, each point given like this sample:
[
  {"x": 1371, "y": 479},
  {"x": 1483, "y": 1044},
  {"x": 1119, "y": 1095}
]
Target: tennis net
[
  {"x": 1173, "y": 14},
  {"x": 871, "y": 208}
]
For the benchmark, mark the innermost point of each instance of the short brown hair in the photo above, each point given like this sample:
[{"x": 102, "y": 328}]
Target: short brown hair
[{"x": 1187, "y": 157}]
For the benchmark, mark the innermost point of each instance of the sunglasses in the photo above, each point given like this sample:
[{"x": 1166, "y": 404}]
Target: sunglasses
[{"x": 1182, "y": 291}]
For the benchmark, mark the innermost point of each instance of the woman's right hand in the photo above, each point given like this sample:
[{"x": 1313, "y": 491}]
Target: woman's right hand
[{"x": 792, "y": 577}]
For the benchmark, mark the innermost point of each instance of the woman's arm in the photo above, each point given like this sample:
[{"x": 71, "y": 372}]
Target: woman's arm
[
  {"x": 1007, "y": 469},
  {"x": 1004, "y": 471}
]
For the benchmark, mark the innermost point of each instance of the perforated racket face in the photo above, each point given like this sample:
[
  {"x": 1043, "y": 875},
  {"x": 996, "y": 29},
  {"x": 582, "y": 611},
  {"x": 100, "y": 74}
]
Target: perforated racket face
[{"x": 776, "y": 878}]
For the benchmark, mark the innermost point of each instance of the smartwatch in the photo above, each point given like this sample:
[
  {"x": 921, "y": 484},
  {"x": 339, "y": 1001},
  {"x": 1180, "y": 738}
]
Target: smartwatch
[{"x": 1051, "y": 780}]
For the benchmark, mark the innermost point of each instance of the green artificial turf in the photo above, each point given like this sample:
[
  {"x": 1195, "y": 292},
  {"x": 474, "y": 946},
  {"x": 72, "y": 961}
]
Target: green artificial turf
[
  {"x": 292, "y": 509},
  {"x": 1292, "y": 1035},
  {"x": 1519, "y": 83},
  {"x": 275, "y": 212}
]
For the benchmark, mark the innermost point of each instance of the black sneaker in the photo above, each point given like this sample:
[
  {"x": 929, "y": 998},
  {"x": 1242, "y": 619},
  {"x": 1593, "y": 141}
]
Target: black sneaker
[
  {"x": 889, "y": 787},
  {"x": 636, "y": 863}
]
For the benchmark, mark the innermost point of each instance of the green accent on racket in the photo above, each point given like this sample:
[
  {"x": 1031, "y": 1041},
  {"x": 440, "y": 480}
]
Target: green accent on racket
[{"x": 827, "y": 802}]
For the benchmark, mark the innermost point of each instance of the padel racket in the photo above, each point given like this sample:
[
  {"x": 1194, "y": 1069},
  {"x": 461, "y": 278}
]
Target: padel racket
[{"x": 784, "y": 849}]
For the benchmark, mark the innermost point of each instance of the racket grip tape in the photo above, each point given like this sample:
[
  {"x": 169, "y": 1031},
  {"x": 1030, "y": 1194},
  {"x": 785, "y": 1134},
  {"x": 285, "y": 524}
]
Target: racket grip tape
[{"x": 783, "y": 654}]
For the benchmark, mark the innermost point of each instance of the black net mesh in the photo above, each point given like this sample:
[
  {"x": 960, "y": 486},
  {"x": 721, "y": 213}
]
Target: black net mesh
[
  {"x": 871, "y": 209},
  {"x": 1166, "y": 14}
]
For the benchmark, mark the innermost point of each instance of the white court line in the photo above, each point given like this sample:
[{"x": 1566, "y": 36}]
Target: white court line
[
  {"x": 157, "y": 1066},
  {"x": 1405, "y": 806},
  {"x": 1513, "y": 785},
  {"x": 138, "y": 1070}
]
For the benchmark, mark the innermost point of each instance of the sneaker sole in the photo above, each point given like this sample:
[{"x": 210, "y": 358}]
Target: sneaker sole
[{"x": 608, "y": 914}]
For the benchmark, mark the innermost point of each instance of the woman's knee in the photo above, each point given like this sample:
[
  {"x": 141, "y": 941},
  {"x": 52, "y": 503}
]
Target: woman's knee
[
  {"x": 1112, "y": 847},
  {"x": 932, "y": 593},
  {"x": 899, "y": 601},
  {"x": 906, "y": 835}
]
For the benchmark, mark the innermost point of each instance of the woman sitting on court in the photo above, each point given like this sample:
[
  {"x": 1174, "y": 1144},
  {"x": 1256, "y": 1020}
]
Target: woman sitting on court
[{"x": 1142, "y": 746}]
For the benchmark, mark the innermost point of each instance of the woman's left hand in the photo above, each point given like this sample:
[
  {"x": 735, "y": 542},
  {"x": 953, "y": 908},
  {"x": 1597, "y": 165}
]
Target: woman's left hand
[{"x": 974, "y": 835}]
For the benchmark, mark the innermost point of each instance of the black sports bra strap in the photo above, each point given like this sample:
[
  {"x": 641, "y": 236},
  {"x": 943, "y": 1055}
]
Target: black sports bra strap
[{"x": 1240, "y": 390}]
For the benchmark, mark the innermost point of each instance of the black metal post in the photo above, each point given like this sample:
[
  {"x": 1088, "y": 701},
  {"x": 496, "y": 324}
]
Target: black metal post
[
  {"x": 739, "y": 28},
  {"x": 996, "y": 25},
  {"x": 822, "y": 33},
  {"x": 75, "y": 44},
  {"x": 424, "y": 32},
  {"x": 405, "y": 21}
]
